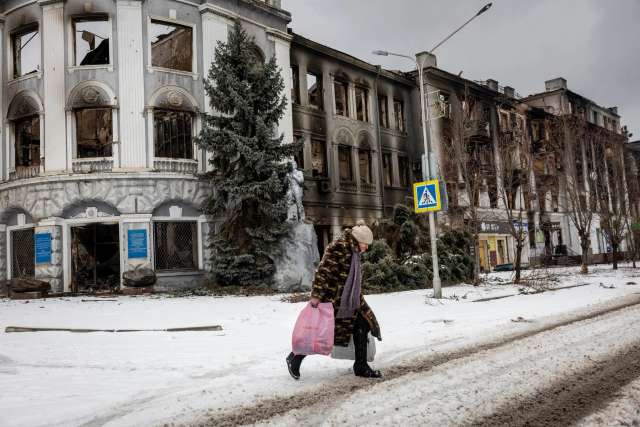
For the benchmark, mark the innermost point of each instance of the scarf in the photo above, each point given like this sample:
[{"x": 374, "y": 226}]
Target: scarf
[{"x": 350, "y": 299}]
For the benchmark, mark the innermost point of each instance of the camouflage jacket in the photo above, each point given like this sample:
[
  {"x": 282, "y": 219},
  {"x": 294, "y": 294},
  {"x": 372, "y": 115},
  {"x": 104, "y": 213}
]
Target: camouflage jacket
[{"x": 329, "y": 282}]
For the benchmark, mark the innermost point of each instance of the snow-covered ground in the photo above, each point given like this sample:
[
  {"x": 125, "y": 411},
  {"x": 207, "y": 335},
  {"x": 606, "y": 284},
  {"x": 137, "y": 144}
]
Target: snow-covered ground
[{"x": 150, "y": 378}]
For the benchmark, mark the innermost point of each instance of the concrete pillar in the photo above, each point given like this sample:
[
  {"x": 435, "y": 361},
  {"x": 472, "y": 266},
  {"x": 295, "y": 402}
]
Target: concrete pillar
[
  {"x": 283, "y": 59},
  {"x": 131, "y": 84},
  {"x": 54, "y": 148},
  {"x": 3, "y": 134},
  {"x": 49, "y": 250}
]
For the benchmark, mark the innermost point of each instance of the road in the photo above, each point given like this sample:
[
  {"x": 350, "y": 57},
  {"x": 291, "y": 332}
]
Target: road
[{"x": 583, "y": 370}]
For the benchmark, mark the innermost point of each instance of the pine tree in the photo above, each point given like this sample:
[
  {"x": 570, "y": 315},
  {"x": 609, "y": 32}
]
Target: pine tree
[{"x": 249, "y": 177}]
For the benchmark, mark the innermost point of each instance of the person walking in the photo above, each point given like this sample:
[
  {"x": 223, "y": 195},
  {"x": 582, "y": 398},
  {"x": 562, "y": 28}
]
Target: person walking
[{"x": 338, "y": 280}]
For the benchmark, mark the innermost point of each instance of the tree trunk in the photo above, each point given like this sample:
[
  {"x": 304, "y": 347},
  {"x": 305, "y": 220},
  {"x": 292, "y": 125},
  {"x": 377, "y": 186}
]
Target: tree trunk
[
  {"x": 476, "y": 264},
  {"x": 614, "y": 254},
  {"x": 518, "y": 262},
  {"x": 584, "y": 244}
]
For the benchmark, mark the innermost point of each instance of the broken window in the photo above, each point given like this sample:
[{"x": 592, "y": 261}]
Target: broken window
[
  {"x": 388, "y": 170},
  {"x": 364, "y": 158},
  {"x": 362, "y": 104},
  {"x": 171, "y": 46},
  {"x": 346, "y": 168},
  {"x": 398, "y": 109},
  {"x": 173, "y": 134},
  {"x": 383, "y": 112},
  {"x": 319, "y": 157},
  {"x": 175, "y": 245},
  {"x": 314, "y": 90},
  {"x": 91, "y": 37},
  {"x": 342, "y": 98},
  {"x": 26, "y": 51},
  {"x": 27, "y": 137},
  {"x": 295, "y": 85},
  {"x": 94, "y": 132},
  {"x": 403, "y": 169}
]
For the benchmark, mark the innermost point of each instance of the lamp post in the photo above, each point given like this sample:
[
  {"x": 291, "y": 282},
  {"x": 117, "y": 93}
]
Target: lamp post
[{"x": 427, "y": 171}]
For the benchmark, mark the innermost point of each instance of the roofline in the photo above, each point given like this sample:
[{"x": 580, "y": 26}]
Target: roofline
[
  {"x": 350, "y": 59},
  {"x": 569, "y": 91}
]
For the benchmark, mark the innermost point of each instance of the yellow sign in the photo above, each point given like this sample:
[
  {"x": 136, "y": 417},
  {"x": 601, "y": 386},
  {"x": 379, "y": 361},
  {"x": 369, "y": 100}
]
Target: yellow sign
[{"x": 426, "y": 196}]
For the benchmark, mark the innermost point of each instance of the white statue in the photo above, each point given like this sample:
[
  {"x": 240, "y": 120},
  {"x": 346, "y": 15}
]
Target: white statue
[{"x": 295, "y": 194}]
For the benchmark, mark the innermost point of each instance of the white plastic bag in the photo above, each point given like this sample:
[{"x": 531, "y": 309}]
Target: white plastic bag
[{"x": 349, "y": 352}]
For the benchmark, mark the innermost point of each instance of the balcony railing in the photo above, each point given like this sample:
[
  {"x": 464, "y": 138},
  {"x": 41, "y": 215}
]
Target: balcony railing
[
  {"x": 349, "y": 186},
  {"x": 92, "y": 165},
  {"x": 24, "y": 172},
  {"x": 184, "y": 166},
  {"x": 368, "y": 188}
]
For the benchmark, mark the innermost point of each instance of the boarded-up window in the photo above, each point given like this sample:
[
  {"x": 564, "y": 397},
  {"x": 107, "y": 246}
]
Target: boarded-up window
[
  {"x": 94, "y": 132},
  {"x": 383, "y": 111},
  {"x": 27, "y": 136},
  {"x": 346, "y": 168},
  {"x": 403, "y": 169},
  {"x": 388, "y": 170},
  {"x": 319, "y": 157},
  {"x": 175, "y": 245},
  {"x": 342, "y": 98},
  {"x": 91, "y": 40},
  {"x": 26, "y": 52},
  {"x": 398, "y": 109},
  {"x": 314, "y": 90},
  {"x": 362, "y": 104},
  {"x": 173, "y": 134},
  {"x": 366, "y": 175},
  {"x": 171, "y": 46}
]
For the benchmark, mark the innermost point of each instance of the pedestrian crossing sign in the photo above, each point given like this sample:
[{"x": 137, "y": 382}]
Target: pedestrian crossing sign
[{"x": 426, "y": 196}]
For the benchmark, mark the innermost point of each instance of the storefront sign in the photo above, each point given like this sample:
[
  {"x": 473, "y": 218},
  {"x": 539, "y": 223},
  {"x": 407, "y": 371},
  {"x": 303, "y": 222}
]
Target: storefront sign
[
  {"x": 500, "y": 227},
  {"x": 137, "y": 244},
  {"x": 43, "y": 248}
]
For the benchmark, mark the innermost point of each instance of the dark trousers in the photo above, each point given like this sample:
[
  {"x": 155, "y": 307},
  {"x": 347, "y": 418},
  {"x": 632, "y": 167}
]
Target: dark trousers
[{"x": 360, "y": 333}]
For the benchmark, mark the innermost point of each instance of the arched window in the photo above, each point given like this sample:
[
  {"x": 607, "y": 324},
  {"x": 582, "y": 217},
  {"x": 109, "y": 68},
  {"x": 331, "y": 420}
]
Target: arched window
[
  {"x": 92, "y": 109},
  {"x": 25, "y": 131}
]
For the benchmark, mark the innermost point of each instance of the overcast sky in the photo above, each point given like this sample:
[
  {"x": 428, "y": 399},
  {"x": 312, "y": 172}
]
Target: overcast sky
[{"x": 594, "y": 44}]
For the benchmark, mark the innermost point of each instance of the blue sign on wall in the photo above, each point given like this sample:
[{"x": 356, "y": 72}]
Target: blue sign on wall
[
  {"x": 43, "y": 248},
  {"x": 137, "y": 244}
]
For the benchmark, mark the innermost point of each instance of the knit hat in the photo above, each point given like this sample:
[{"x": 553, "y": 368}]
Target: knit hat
[{"x": 362, "y": 233}]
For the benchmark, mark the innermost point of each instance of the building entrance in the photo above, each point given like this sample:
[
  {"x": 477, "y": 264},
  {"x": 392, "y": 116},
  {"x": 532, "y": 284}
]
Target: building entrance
[{"x": 95, "y": 257}]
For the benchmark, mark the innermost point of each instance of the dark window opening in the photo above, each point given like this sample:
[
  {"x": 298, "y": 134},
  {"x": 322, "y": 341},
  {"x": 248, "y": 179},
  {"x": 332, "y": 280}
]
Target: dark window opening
[
  {"x": 319, "y": 157},
  {"x": 346, "y": 167},
  {"x": 362, "y": 104},
  {"x": 342, "y": 98},
  {"x": 388, "y": 169},
  {"x": 173, "y": 134},
  {"x": 403, "y": 169},
  {"x": 94, "y": 132},
  {"x": 171, "y": 46},
  {"x": 91, "y": 39},
  {"x": 175, "y": 245},
  {"x": 299, "y": 155},
  {"x": 295, "y": 85},
  {"x": 95, "y": 257},
  {"x": 26, "y": 52},
  {"x": 398, "y": 109},
  {"x": 22, "y": 254},
  {"x": 314, "y": 90},
  {"x": 366, "y": 175},
  {"x": 383, "y": 111},
  {"x": 27, "y": 134}
]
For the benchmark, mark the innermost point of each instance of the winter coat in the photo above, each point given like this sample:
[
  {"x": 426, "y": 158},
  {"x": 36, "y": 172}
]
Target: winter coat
[{"x": 329, "y": 282}]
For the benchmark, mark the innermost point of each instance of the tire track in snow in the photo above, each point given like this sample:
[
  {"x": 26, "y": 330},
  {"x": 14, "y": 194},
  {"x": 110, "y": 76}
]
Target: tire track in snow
[{"x": 327, "y": 394}]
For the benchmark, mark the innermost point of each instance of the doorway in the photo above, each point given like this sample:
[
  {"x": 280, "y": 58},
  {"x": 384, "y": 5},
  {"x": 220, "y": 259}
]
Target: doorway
[{"x": 95, "y": 257}]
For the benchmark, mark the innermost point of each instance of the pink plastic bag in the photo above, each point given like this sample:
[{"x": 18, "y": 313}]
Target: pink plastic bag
[{"x": 313, "y": 333}]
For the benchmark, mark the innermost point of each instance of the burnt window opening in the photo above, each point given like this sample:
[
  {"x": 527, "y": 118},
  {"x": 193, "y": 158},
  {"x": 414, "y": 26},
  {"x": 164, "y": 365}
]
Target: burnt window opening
[
  {"x": 387, "y": 169},
  {"x": 314, "y": 90},
  {"x": 366, "y": 173},
  {"x": 295, "y": 85},
  {"x": 25, "y": 47},
  {"x": 398, "y": 109},
  {"x": 383, "y": 112},
  {"x": 319, "y": 157},
  {"x": 173, "y": 134},
  {"x": 171, "y": 46},
  {"x": 417, "y": 171},
  {"x": 27, "y": 138},
  {"x": 175, "y": 245},
  {"x": 403, "y": 170},
  {"x": 362, "y": 104},
  {"x": 299, "y": 155},
  {"x": 94, "y": 132},
  {"x": 492, "y": 191},
  {"x": 346, "y": 166},
  {"x": 91, "y": 40},
  {"x": 341, "y": 90}
]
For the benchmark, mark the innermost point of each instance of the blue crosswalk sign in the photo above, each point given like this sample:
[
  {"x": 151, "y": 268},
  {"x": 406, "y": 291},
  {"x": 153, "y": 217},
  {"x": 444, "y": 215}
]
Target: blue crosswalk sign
[{"x": 426, "y": 196}]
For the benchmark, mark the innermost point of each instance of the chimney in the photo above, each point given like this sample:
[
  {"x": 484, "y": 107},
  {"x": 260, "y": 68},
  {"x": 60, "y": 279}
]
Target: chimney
[
  {"x": 557, "y": 83},
  {"x": 493, "y": 84},
  {"x": 427, "y": 59},
  {"x": 509, "y": 91}
]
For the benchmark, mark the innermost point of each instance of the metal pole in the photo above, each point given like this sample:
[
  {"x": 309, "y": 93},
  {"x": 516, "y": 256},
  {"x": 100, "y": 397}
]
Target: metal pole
[{"x": 428, "y": 174}]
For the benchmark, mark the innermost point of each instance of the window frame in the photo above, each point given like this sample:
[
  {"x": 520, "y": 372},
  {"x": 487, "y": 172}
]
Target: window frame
[
  {"x": 11, "y": 63},
  {"x": 369, "y": 160},
  {"x": 348, "y": 149},
  {"x": 295, "y": 84},
  {"x": 325, "y": 172},
  {"x": 192, "y": 131},
  {"x": 318, "y": 76},
  {"x": 198, "y": 247},
  {"x": 194, "y": 46},
  {"x": 362, "y": 95},
  {"x": 15, "y": 129},
  {"x": 343, "y": 85},
  {"x": 389, "y": 155},
  {"x": 110, "y": 109},
  {"x": 383, "y": 114},
  {"x": 405, "y": 179},
  {"x": 400, "y": 122},
  {"x": 72, "y": 58}
]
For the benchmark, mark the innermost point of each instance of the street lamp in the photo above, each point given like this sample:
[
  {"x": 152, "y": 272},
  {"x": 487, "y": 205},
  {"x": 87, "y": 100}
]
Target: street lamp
[{"x": 426, "y": 138}]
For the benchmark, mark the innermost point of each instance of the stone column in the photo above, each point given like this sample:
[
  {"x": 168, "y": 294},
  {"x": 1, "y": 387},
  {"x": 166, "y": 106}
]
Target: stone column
[
  {"x": 283, "y": 59},
  {"x": 4, "y": 141},
  {"x": 55, "y": 140},
  {"x": 50, "y": 267}
]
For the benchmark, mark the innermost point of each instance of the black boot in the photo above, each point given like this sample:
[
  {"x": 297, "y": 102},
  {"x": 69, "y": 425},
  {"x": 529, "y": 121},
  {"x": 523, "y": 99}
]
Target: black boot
[
  {"x": 360, "y": 332},
  {"x": 293, "y": 364}
]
